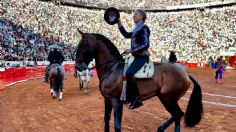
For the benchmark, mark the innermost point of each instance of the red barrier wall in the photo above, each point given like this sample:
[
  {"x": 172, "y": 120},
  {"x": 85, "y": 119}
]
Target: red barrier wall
[
  {"x": 192, "y": 65},
  {"x": 12, "y": 75},
  {"x": 232, "y": 60}
]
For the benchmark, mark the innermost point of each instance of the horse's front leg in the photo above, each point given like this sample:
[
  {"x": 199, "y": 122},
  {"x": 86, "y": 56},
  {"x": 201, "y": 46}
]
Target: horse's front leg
[
  {"x": 81, "y": 84},
  {"x": 108, "y": 109},
  {"x": 118, "y": 110},
  {"x": 85, "y": 86}
]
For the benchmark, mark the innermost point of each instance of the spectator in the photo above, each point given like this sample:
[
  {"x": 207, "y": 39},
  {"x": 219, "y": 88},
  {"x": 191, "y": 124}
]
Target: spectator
[
  {"x": 211, "y": 63},
  {"x": 219, "y": 66}
]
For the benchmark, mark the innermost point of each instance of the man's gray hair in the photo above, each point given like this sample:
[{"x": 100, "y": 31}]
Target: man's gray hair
[{"x": 142, "y": 13}]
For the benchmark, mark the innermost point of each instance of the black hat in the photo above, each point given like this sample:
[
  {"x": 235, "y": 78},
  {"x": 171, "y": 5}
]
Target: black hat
[{"x": 111, "y": 15}]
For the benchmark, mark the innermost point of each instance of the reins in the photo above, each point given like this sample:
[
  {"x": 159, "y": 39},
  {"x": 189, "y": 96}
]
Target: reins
[{"x": 117, "y": 58}]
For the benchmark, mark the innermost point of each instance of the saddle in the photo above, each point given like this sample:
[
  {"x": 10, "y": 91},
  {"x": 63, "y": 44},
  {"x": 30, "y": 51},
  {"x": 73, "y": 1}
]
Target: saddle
[
  {"x": 147, "y": 71},
  {"x": 54, "y": 65}
]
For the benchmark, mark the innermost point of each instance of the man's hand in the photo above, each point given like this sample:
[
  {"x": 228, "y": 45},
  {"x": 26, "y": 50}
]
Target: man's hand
[{"x": 119, "y": 23}]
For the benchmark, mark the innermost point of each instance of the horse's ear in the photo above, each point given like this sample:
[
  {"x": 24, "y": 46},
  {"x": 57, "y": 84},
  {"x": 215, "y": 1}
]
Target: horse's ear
[{"x": 80, "y": 32}]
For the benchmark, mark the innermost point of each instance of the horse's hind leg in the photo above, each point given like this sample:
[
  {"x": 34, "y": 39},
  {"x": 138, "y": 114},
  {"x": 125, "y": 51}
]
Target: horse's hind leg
[
  {"x": 177, "y": 114},
  {"x": 51, "y": 87},
  {"x": 54, "y": 92},
  {"x": 118, "y": 109},
  {"x": 61, "y": 91},
  {"x": 173, "y": 108},
  {"x": 108, "y": 109},
  {"x": 166, "y": 124}
]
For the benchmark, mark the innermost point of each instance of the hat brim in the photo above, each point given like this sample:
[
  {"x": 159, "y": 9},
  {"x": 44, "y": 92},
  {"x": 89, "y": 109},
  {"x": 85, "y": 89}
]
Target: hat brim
[{"x": 106, "y": 15}]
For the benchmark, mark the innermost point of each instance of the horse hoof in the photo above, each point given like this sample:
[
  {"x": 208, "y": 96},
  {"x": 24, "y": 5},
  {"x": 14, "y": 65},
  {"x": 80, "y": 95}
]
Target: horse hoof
[
  {"x": 54, "y": 97},
  {"x": 60, "y": 100},
  {"x": 160, "y": 129},
  {"x": 85, "y": 91},
  {"x": 51, "y": 94}
]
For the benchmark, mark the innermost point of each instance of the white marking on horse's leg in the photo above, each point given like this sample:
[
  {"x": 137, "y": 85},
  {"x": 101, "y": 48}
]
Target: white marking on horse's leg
[
  {"x": 51, "y": 92},
  {"x": 61, "y": 95},
  {"x": 54, "y": 93},
  {"x": 85, "y": 90}
]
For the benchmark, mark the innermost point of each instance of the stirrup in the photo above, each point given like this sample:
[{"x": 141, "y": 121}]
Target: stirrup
[{"x": 136, "y": 104}]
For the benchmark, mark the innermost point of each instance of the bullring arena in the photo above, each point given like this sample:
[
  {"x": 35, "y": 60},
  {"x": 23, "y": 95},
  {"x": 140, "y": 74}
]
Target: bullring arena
[
  {"x": 198, "y": 31},
  {"x": 28, "y": 106}
]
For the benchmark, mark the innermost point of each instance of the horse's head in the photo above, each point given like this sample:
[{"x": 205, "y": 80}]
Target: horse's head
[
  {"x": 95, "y": 46},
  {"x": 84, "y": 52}
]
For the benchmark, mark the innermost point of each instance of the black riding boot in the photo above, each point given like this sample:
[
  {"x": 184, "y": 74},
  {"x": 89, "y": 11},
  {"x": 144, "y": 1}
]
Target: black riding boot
[
  {"x": 135, "y": 101},
  {"x": 46, "y": 75}
]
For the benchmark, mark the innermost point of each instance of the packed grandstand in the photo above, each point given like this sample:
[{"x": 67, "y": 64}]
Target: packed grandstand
[{"x": 29, "y": 27}]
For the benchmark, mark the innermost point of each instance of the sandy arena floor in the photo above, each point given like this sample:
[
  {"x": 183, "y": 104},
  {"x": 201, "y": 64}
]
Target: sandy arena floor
[{"x": 28, "y": 107}]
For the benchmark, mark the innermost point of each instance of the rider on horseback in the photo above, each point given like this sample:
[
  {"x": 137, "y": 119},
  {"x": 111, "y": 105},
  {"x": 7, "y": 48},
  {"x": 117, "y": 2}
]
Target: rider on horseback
[
  {"x": 172, "y": 57},
  {"x": 139, "y": 49},
  {"x": 54, "y": 56}
]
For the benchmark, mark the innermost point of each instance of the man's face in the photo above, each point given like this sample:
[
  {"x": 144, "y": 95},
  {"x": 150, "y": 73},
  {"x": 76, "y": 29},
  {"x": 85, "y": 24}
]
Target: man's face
[{"x": 137, "y": 17}]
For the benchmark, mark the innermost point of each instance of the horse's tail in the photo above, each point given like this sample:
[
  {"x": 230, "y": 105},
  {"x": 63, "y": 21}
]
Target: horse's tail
[
  {"x": 194, "y": 110},
  {"x": 59, "y": 80}
]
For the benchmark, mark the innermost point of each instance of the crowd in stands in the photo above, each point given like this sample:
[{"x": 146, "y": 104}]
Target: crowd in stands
[
  {"x": 19, "y": 43},
  {"x": 31, "y": 26}
]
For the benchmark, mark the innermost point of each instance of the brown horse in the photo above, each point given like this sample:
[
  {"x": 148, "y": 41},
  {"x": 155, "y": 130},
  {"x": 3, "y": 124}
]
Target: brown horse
[
  {"x": 56, "y": 76},
  {"x": 169, "y": 83}
]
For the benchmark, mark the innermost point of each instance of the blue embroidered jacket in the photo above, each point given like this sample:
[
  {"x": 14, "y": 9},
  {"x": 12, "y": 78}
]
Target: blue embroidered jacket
[{"x": 139, "y": 39}]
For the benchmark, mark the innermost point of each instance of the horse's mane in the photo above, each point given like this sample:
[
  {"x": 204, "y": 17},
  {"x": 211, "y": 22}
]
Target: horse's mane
[{"x": 112, "y": 48}]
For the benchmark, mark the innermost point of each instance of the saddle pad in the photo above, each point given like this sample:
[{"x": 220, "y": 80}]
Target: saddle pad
[
  {"x": 55, "y": 66},
  {"x": 180, "y": 66},
  {"x": 147, "y": 71}
]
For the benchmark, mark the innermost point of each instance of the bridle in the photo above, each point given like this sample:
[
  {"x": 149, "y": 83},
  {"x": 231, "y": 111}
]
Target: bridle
[{"x": 119, "y": 58}]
